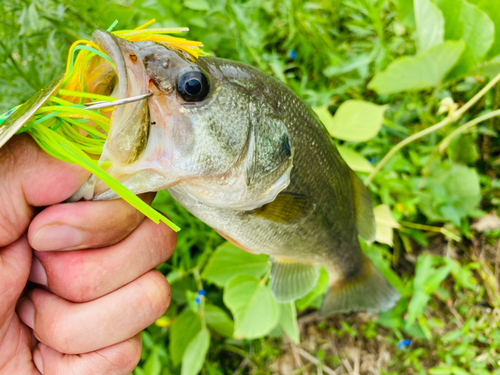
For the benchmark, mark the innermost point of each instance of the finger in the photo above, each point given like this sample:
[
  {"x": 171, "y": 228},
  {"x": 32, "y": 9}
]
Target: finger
[
  {"x": 31, "y": 177},
  {"x": 15, "y": 262},
  {"x": 117, "y": 359},
  {"x": 83, "y": 275},
  {"x": 16, "y": 341},
  {"x": 15, "y": 337},
  {"x": 74, "y": 328},
  {"x": 84, "y": 225}
]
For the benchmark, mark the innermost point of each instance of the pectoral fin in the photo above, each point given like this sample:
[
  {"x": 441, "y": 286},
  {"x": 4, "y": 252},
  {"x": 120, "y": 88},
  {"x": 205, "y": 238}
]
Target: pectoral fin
[
  {"x": 291, "y": 280},
  {"x": 365, "y": 217},
  {"x": 287, "y": 208}
]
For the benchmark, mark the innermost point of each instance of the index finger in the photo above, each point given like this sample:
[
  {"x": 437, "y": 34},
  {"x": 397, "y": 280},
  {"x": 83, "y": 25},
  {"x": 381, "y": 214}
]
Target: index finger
[
  {"x": 29, "y": 177},
  {"x": 83, "y": 225}
]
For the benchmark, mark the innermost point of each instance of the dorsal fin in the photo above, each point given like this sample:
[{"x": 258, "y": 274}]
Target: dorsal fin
[
  {"x": 287, "y": 208},
  {"x": 365, "y": 217}
]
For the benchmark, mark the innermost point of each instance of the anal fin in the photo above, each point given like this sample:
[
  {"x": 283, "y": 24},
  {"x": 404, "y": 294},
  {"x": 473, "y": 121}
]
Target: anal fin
[
  {"x": 291, "y": 279},
  {"x": 368, "y": 291}
]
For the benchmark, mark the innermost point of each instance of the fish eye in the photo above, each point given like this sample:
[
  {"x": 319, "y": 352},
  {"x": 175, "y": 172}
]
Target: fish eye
[{"x": 193, "y": 86}]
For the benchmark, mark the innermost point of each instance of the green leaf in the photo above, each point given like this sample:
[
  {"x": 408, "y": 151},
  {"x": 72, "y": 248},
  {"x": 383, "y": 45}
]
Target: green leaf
[
  {"x": 198, "y": 21},
  {"x": 423, "y": 269},
  {"x": 34, "y": 17},
  {"x": 468, "y": 23},
  {"x": 357, "y": 62},
  {"x": 489, "y": 69},
  {"x": 414, "y": 330},
  {"x": 319, "y": 290},
  {"x": 254, "y": 309},
  {"x": 430, "y": 24},
  {"x": 218, "y": 320},
  {"x": 181, "y": 286},
  {"x": 450, "y": 213},
  {"x": 417, "y": 306},
  {"x": 194, "y": 356},
  {"x": 463, "y": 149},
  {"x": 357, "y": 121},
  {"x": 440, "y": 370},
  {"x": 288, "y": 321},
  {"x": 452, "y": 192},
  {"x": 356, "y": 161},
  {"x": 419, "y": 72},
  {"x": 480, "y": 371},
  {"x": 490, "y": 7},
  {"x": 385, "y": 224},
  {"x": 185, "y": 328},
  {"x": 153, "y": 364},
  {"x": 427, "y": 280},
  {"x": 452, "y": 336},
  {"x": 406, "y": 13},
  {"x": 459, "y": 371},
  {"x": 197, "y": 4},
  {"x": 436, "y": 278},
  {"x": 228, "y": 260},
  {"x": 324, "y": 114}
]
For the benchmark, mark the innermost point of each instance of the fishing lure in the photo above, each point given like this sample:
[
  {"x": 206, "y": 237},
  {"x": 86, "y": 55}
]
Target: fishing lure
[{"x": 71, "y": 122}]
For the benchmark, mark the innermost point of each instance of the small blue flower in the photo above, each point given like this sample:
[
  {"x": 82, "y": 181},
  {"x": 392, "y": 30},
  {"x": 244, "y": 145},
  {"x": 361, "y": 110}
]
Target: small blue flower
[
  {"x": 404, "y": 343},
  {"x": 292, "y": 54},
  {"x": 200, "y": 293}
]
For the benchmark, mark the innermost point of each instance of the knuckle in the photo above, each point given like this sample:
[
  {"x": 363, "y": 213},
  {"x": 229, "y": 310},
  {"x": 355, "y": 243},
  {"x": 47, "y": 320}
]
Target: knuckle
[
  {"x": 126, "y": 357},
  {"x": 164, "y": 240},
  {"x": 11, "y": 225},
  {"x": 74, "y": 279},
  {"x": 156, "y": 294},
  {"x": 119, "y": 359},
  {"x": 15, "y": 214},
  {"x": 56, "y": 333},
  {"x": 129, "y": 216}
]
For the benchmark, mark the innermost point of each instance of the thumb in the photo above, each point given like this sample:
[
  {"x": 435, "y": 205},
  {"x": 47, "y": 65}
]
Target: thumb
[{"x": 29, "y": 178}]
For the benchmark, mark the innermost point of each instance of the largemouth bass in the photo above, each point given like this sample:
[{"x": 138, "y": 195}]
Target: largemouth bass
[{"x": 243, "y": 153}]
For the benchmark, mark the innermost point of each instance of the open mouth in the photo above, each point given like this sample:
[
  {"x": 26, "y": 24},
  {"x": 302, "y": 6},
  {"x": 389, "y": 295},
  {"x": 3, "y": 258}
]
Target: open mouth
[{"x": 129, "y": 128}]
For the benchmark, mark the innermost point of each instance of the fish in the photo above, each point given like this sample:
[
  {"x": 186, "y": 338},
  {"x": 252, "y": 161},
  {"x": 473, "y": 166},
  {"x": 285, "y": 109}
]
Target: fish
[{"x": 246, "y": 155}]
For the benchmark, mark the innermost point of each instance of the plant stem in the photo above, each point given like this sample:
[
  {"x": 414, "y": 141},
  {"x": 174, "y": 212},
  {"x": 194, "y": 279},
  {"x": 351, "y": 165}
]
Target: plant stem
[
  {"x": 199, "y": 284},
  {"x": 266, "y": 277},
  {"x": 462, "y": 129},
  {"x": 430, "y": 228},
  {"x": 235, "y": 350},
  {"x": 448, "y": 120}
]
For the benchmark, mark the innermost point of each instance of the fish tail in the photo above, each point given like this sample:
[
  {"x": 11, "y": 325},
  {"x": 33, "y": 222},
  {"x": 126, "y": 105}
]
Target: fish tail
[{"x": 367, "y": 290}]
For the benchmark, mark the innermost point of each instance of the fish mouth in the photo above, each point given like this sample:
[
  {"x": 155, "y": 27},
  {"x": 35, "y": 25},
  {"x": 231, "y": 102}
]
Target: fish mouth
[
  {"x": 129, "y": 128},
  {"x": 134, "y": 152}
]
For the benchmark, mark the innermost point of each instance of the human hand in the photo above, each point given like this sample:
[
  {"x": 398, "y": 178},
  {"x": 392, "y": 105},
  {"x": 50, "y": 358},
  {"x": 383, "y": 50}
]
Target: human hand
[{"x": 90, "y": 304}]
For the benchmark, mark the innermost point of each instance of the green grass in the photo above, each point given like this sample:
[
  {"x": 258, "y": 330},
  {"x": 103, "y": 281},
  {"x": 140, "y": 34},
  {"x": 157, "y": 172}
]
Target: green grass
[{"x": 445, "y": 267}]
